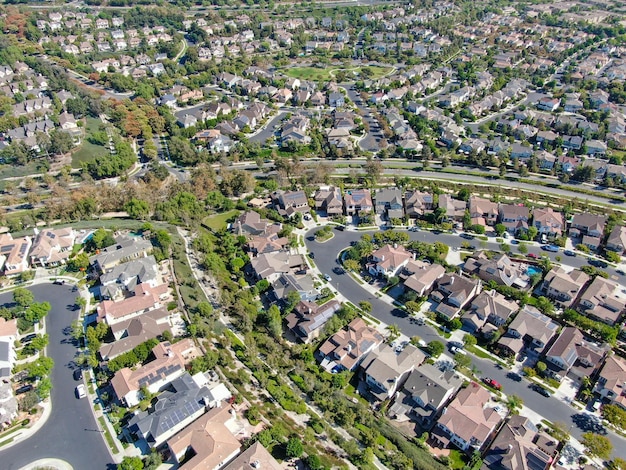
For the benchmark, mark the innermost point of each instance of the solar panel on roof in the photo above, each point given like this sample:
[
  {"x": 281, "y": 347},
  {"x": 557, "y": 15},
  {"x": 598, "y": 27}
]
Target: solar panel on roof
[{"x": 6, "y": 249}]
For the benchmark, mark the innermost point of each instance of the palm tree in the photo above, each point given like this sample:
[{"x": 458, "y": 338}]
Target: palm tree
[
  {"x": 394, "y": 331},
  {"x": 513, "y": 402}
]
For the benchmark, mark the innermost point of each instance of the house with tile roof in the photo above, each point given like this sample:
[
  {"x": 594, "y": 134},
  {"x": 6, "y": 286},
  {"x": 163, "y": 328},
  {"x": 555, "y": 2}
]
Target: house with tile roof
[
  {"x": 124, "y": 249},
  {"x": 572, "y": 355},
  {"x": 357, "y": 201},
  {"x": 616, "y": 240},
  {"x": 588, "y": 224},
  {"x": 420, "y": 276},
  {"x": 346, "y": 349},
  {"x": 514, "y": 217},
  {"x": 389, "y": 203},
  {"x": 52, "y": 247},
  {"x": 455, "y": 209},
  {"x": 8, "y": 356},
  {"x": 548, "y": 222},
  {"x": 287, "y": 203},
  {"x": 563, "y": 287},
  {"x": 308, "y": 318},
  {"x": 424, "y": 394},
  {"x": 602, "y": 300},
  {"x": 488, "y": 306},
  {"x": 14, "y": 254},
  {"x": 467, "y": 422},
  {"x": 253, "y": 458},
  {"x": 482, "y": 211},
  {"x": 272, "y": 265},
  {"x": 453, "y": 293},
  {"x": 611, "y": 384},
  {"x": 389, "y": 260},
  {"x": 418, "y": 203},
  {"x": 125, "y": 277},
  {"x": 146, "y": 298},
  {"x": 531, "y": 329},
  {"x": 384, "y": 369},
  {"x": 328, "y": 199},
  {"x": 500, "y": 269}
]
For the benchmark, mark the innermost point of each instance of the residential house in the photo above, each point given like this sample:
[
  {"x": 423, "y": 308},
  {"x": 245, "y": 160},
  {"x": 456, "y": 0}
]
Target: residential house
[
  {"x": 418, "y": 203},
  {"x": 209, "y": 442},
  {"x": 572, "y": 355},
  {"x": 482, "y": 211},
  {"x": 467, "y": 422},
  {"x": 124, "y": 249},
  {"x": 488, "y": 306},
  {"x": 563, "y": 287},
  {"x": 588, "y": 224},
  {"x": 179, "y": 405},
  {"x": 520, "y": 445},
  {"x": 531, "y": 329},
  {"x": 616, "y": 240},
  {"x": 514, "y": 217},
  {"x": 125, "y": 277},
  {"x": 358, "y": 201},
  {"x": 52, "y": 247},
  {"x": 498, "y": 268},
  {"x": 611, "y": 385},
  {"x": 272, "y": 265},
  {"x": 384, "y": 370},
  {"x": 308, "y": 318},
  {"x": 8, "y": 356},
  {"x": 603, "y": 300},
  {"x": 328, "y": 199},
  {"x": 453, "y": 293},
  {"x": 168, "y": 364},
  {"x": 455, "y": 209},
  {"x": 346, "y": 349},
  {"x": 426, "y": 391},
  {"x": 303, "y": 285},
  {"x": 336, "y": 99},
  {"x": 251, "y": 223},
  {"x": 254, "y": 457},
  {"x": 14, "y": 254},
  {"x": 389, "y": 203},
  {"x": 548, "y": 222},
  {"x": 146, "y": 298},
  {"x": 389, "y": 260},
  {"x": 420, "y": 276},
  {"x": 289, "y": 202},
  {"x": 131, "y": 333}
]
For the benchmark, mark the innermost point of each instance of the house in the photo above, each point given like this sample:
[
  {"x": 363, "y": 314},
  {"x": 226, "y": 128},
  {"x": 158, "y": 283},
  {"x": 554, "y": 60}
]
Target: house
[
  {"x": 209, "y": 442},
  {"x": 52, "y": 247},
  {"x": 499, "y": 269},
  {"x": 328, "y": 199},
  {"x": 254, "y": 457},
  {"x": 424, "y": 394},
  {"x": 453, "y": 293},
  {"x": 308, "y": 318},
  {"x": 261, "y": 244},
  {"x": 467, "y": 422},
  {"x": 616, "y": 240},
  {"x": 420, "y": 276},
  {"x": 596, "y": 148},
  {"x": 336, "y": 99},
  {"x": 9, "y": 405},
  {"x": 572, "y": 355},
  {"x": 272, "y": 265},
  {"x": 125, "y": 277},
  {"x": 531, "y": 329},
  {"x": 482, "y": 211},
  {"x": 251, "y": 223},
  {"x": 611, "y": 385},
  {"x": 520, "y": 445},
  {"x": 303, "y": 285},
  {"x": 548, "y": 104},
  {"x": 346, "y": 349},
  {"x": 384, "y": 370},
  {"x": 488, "y": 306},
  {"x": 179, "y": 405},
  {"x": 131, "y": 333},
  {"x": 563, "y": 287},
  {"x": 418, "y": 203},
  {"x": 14, "y": 254},
  {"x": 146, "y": 298},
  {"x": 358, "y": 201},
  {"x": 388, "y": 260},
  {"x": 548, "y": 222},
  {"x": 603, "y": 301},
  {"x": 389, "y": 203},
  {"x": 8, "y": 356},
  {"x": 289, "y": 202},
  {"x": 455, "y": 209},
  {"x": 124, "y": 249},
  {"x": 514, "y": 217},
  {"x": 168, "y": 364}
]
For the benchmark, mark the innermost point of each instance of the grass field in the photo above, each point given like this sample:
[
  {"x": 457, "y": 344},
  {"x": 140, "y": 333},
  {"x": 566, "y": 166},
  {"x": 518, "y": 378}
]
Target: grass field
[
  {"x": 327, "y": 73},
  {"x": 218, "y": 221},
  {"x": 88, "y": 151}
]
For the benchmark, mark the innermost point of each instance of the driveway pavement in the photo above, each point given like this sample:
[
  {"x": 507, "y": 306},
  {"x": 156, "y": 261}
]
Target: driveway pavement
[
  {"x": 71, "y": 433},
  {"x": 552, "y": 409}
]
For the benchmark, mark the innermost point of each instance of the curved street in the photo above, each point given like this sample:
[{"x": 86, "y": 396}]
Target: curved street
[
  {"x": 71, "y": 432},
  {"x": 551, "y": 408}
]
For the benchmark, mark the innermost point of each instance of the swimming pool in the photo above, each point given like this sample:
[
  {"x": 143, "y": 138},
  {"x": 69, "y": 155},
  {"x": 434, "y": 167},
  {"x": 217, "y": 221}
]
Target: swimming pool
[{"x": 533, "y": 270}]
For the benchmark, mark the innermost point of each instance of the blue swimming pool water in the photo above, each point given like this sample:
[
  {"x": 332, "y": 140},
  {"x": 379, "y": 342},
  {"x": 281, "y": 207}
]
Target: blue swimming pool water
[{"x": 533, "y": 270}]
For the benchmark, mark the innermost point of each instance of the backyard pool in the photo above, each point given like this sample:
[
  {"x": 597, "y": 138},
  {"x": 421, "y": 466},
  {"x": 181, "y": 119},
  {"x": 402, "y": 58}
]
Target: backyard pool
[{"x": 533, "y": 270}]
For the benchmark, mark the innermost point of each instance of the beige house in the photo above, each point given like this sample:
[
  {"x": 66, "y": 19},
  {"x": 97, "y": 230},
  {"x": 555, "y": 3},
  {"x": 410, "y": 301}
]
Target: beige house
[
  {"x": 611, "y": 383},
  {"x": 388, "y": 260},
  {"x": 482, "y": 211},
  {"x": 603, "y": 300},
  {"x": 14, "y": 254},
  {"x": 52, "y": 247},
  {"x": 420, "y": 276},
  {"x": 563, "y": 287}
]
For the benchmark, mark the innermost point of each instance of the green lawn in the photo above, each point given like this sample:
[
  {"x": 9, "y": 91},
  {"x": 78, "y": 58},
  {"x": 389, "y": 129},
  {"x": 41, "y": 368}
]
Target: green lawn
[
  {"x": 327, "y": 73},
  {"x": 89, "y": 151},
  {"x": 456, "y": 459},
  {"x": 218, "y": 221},
  {"x": 12, "y": 171}
]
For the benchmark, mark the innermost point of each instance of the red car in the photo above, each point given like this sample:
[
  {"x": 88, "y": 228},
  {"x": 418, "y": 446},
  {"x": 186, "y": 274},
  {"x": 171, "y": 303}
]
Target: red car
[
  {"x": 492, "y": 383},
  {"x": 532, "y": 255}
]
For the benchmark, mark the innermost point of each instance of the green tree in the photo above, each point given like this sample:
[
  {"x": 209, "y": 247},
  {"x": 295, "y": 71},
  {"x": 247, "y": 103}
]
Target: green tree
[
  {"x": 44, "y": 387},
  {"x": 137, "y": 209},
  {"x": 615, "y": 415},
  {"x": 394, "y": 331},
  {"x": 80, "y": 262},
  {"x": 365, "y": 306},
  {"x": 294, "y": 448},
  {"x": 469, "y": 340},
  {"x": 40, "y": 342},
  {"x": 352, "y": 265},
  {"x": 597, "y": 445},
  {"x": 435, "y": 348},
  {"x": 544, "y": 305},
  {"x": 500, "y": 229},
  {"x": 462, "y": 360},
  {"x": 37, "y": 311},
  {"x": 23, "y": 297},
  {"x": 513, "y": 403},
  {"x": 130, "y": 463},
  {"x": 522, "y": 248}
]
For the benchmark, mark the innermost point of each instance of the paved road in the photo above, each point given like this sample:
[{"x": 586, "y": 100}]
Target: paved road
[
  {"x": 267, "y": 131},
  {"x": 550, "y": 408},
  {"x": 71, "y": 432}
]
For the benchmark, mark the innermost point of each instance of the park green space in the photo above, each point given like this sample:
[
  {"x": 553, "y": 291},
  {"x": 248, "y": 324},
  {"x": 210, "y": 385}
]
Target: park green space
[{"x": 328, "y": 73}]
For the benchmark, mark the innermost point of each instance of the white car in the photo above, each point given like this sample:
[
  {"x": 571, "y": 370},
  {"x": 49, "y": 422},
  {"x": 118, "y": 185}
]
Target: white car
[
  {"x": 327, "y": 277},
  {"x": 80, "y": 391}
]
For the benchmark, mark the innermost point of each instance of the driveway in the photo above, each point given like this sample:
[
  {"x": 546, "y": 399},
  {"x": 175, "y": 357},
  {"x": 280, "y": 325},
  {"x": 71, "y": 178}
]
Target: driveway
[
  {"x": 551, "y": 408},
  {"x": 71, "y": 433}
]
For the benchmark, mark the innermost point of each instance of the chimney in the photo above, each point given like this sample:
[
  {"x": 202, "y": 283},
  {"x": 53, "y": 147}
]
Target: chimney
[
  {"x": 255, "y": 464},
  {"x": 509, "y": 448},
  {"x": 395, "y": 245}
]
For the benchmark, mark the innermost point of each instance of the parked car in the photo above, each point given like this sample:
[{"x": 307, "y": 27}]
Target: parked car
[
  {"x": 338, "y": 270},
  {"x": 24, "y": 389},
  {"x": 80, "y": 391},
  {"x": 551, "y": 248},
  {"x": 28, "y": 338},
  {"x": 492, "y": 383},
  {"x": 78, "y": 374},
  {"x": 569, "y": 253},
  {"x": 327, "y": 277},
  {"x": 541, "y": 390},
  {"x": 467, "y": 236},
  {"x": 312, "y": 255},
  {"x": 455, "y": 350},
  {"x": 532, "y": 255},
  {"x": 620, "y": 271},
  {"x": 514, "y": 376},
  {"x": 598, "y": 263}
]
